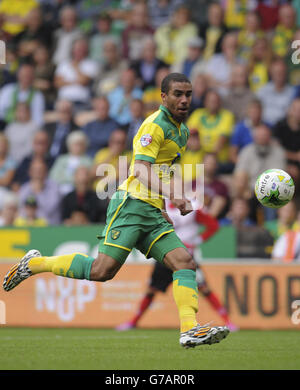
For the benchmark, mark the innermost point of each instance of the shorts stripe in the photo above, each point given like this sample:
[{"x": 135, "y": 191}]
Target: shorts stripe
[
  {"x": 156, "y": 239},
  {"x": 114, "y": 217},
  {"x": 117, "y": 246}
]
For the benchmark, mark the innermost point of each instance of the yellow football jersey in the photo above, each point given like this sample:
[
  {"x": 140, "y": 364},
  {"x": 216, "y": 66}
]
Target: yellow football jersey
[{"x": 161, "y": 141}]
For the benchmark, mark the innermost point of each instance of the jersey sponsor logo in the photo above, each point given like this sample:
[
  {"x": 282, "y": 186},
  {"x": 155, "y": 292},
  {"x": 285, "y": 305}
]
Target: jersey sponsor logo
[{"x": 146, "y": 140}]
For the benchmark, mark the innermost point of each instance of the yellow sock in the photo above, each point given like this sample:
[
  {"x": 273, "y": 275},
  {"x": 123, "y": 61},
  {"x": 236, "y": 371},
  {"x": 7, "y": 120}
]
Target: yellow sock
[
  {"x": 75, "y": 265},
  {"x": 185, "y": 293}
]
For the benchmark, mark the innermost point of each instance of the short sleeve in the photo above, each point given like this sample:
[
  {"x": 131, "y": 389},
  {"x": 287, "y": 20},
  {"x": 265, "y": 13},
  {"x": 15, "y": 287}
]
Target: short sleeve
[{"x": 147, "y": 142}]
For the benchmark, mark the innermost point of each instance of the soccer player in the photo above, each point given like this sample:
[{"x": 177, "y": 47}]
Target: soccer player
[
  {"x": 187, "y": 229},
  {"x": 135, "y": 217}
]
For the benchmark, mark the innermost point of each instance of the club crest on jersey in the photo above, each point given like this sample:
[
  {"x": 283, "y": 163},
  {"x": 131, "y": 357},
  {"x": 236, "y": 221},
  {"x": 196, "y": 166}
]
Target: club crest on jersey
[
  {"x": 115, "y": 234},
  {"x": 146, "y": 140}
]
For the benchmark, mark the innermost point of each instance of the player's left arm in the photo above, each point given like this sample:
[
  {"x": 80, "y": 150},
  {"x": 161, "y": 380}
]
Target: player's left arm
[{"x": 146, "y": 175}]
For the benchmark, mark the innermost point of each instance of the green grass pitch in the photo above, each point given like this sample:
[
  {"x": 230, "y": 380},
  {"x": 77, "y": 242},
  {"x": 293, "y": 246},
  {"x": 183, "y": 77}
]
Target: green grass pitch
[{"x": 143, "y": 349}]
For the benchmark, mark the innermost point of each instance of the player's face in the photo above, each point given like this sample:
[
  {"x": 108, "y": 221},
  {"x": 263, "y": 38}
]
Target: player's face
[{"x": 178, "y": 100}]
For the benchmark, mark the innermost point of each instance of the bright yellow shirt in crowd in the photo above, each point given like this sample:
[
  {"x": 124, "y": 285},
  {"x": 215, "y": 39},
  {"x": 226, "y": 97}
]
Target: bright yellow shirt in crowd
[
  {"x": 17, "y": 8},
  {"x": 210, "y": 128}
]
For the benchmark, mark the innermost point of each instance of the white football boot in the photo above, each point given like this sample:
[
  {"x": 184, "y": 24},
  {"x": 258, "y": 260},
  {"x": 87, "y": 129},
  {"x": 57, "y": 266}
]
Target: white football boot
[
  {"x": 19, "y": 271},
  {"x": 200, "y": 335}
]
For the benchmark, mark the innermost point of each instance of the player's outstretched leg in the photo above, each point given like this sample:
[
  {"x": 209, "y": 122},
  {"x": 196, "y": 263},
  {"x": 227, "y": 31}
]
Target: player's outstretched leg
[
  {"x": 75, "y": 265},
  {"x": 185, "y": 291}
]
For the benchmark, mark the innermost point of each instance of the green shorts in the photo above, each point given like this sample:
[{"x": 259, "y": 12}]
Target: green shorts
[{"x": 133, "y": 223}]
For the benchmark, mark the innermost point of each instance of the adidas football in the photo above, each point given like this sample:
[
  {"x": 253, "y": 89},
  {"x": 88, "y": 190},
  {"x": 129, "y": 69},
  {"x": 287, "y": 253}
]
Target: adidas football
[{"x": 274, "y": 188}]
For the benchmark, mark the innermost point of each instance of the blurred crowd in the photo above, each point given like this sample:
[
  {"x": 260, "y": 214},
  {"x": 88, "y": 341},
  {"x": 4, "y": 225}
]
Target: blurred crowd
[{"x": 81, "y": 76}]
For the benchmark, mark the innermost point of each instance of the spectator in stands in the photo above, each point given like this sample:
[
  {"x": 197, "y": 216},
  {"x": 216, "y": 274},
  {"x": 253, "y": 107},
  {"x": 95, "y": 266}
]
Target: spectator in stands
[
  {"x": 105, "y": 180},
  {"x": 287, "y": 247},
  {"x": 73, "y": 77},
  {"x": 152, "y": 95},
  {"x": 65, "y": 35},
  {"x": 99, "y": 130},
  {"x": 268, "y": 12},
  {"x": 148, "y": 65},
  {"x": 137, "y": 29},
  {"x": 194, "y": 62},
  {"x": 40, "y": 150},
  {"x": 78, "y": 217},
  {"x": 287, "y": 133},
  {"x": 213, "y": 30},
  {"x": 253, "y": 159},
  {"x": 137, "y": 109},
  {"x": 9, "y": 210},
  {"x": 238, "y": 214},
  {"x": 252, "y": 240},
  {"x": 238, "y": 94},
  {"x": 249, "y": 34},
  {"x": 104, "y": 32},
  {"x": 286, "y": 220},
  {"x": 15, "y": 16},
  {"x": 215, "y": 126},
  {"x": 235, "y": 12},
  {"x": 216, "y": 194},
  {"x": 7, "y": 164},
  {"x": 60, "y": 128},
  {"x": 30, "y": 217},
  {"x": 161, "y": 10},
  {"x": 83, "y": 199},
  {"x": 172, "y": 37},
  {"x": 37, "y": 32},
  {"x": 219, "y": 67},
  {"x": 20, "y": 133},
  {"x": 284, "y": 30},
  {"x": 44, "y": 190},
  {"x": 259, "y": 63},
  {"x": 63, "y": 169},
  {"x": 44, "y": 75},
  {"x": 277, "y": 94},
  {"x": 120, "y": 97},
  {"x": 109, "y": 73},
  {"x": 243, "y": 130},
  {"x": 22, "y": 91},
  {"x": 200, "y": 87}
]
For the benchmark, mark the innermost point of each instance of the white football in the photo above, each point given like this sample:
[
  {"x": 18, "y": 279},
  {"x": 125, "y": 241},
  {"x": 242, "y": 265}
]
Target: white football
[{"x": 274, "y": 188}]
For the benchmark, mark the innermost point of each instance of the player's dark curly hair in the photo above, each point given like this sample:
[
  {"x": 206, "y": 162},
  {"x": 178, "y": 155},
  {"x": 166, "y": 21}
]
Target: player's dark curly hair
[{"x": 173, "y": 77}]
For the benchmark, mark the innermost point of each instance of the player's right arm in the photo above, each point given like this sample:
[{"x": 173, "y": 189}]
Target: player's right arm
[{"x": 145, "y": 174}]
